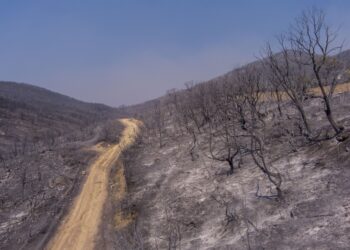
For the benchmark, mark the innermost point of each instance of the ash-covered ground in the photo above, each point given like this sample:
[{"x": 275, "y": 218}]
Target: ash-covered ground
[{"x": 183, "y": 202}]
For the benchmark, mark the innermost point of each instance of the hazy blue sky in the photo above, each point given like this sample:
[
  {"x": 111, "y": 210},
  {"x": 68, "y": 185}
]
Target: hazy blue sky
[{"x": 124, "y": 52}]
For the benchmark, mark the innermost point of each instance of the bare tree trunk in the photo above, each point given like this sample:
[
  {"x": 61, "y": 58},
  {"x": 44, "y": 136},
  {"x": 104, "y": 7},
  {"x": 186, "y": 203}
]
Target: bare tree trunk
[
  {"x": 230, "y": 162},
  {"x": 160, "y": 138},
  {"x": 192, "y": 150},
  {"x": 256, "y": 152},
  {"x": 329, "y": 115},
  {"x": 304, "y": 118}
]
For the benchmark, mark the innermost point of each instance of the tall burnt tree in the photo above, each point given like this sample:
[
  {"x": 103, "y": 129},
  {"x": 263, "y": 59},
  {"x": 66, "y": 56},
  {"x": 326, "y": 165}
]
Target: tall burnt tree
[{"x": 312, "y": 36}]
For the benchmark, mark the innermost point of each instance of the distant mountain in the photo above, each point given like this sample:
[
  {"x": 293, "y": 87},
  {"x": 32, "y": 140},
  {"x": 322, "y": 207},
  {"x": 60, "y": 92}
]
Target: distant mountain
[
  {"x": 46, "y": 100},
  {"x": 345, "y": 58},
  {"x": 30, "y": 114}
]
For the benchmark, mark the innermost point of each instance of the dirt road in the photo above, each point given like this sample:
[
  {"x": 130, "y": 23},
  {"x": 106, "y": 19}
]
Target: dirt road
[{"x": 79, "y": 228}]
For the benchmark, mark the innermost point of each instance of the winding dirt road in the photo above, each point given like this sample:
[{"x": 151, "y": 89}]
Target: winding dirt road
[{"x": 79, "y": 228}]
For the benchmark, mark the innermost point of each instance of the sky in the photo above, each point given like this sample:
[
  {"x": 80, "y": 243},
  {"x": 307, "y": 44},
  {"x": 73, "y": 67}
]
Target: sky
[{"x": 122, "y": 52}]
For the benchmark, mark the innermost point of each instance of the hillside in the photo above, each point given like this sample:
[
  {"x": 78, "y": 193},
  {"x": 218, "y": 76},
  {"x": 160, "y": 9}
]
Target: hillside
[
  {"x": 30, "y": 114},
  {"x": 179, "y": 192},
  {"x": 44, "y": 152},
  {"x": 187, "y": 200},
  {"x": 287, "y": 188},
  {"x": 345, "y": 58}
]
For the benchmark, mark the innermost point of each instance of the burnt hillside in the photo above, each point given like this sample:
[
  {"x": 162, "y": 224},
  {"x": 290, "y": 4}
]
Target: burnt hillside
[
  {"x": 345, "y": 58},
  {"x": 31, "y": 115},
  {"x": 255, "y": 159},
  {"x": 45, "y": 149}
]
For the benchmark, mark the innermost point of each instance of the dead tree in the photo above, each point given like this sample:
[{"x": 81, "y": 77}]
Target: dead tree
[
  {"x": 222, "y": 132},
  {"x": 110, "y": 131},
  {"x": 258, "y": 155},
  {"x": 317, "y": 42},
  {"x": 159, "y": 121},
  {"x": 192, "y": 106},
  {"x": 175, "y": 109},
  {"x": 224, "y": 147},
  {"x": 289, "y": 76},
  {"x": 250, "y": 86},
  {"x": 277, "y": 96},
  {"x": 193, "y": 111}
]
